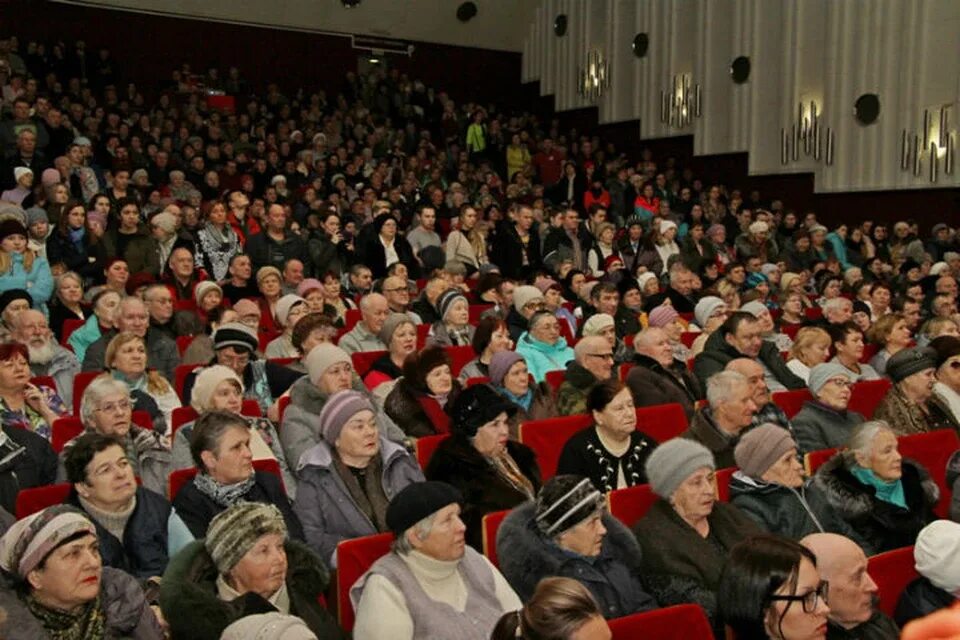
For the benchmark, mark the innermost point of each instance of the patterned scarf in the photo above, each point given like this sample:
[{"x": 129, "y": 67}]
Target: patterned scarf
[
  {"x": 507, "y": 469},
  {"x": 369, "y": 496},
  {"x": 223, "y": 494},
  {"x": 89, "y": 624}
]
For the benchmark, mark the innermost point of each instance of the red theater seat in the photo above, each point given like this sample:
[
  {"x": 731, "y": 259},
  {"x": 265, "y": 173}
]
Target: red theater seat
[
  {"x": 892, "y": 571},
  {"x": 867, "y": 395},
  {"x": 631, "y": 504},
  {"x": 555, "y": 379},
  {"x": 363, "y": 360},
  {"x": 180, "y": 374},
  {"x": 491, "y": 524},
  {"x": 80, "y": 383},
  {"x": 791, "y": 401},
  {"x": 63, "y": 431},
  {"x": 354, "y": 558},
  {"x": 815, "y": 459},
  {"x": 932, "y": 450},
  {"x": 663, "y": 421},
  {"x": 680, "y": 622},
  {"x": 547, "y": 437},
  {"x": 722, "y": 480},
  {"x": 477, "y": 380},
  {"x": 30, "y": 501},
  {"x": 459, "y": 357},
  {"x": 69, "y": 326},
  {"x": 426, "y": 445}
]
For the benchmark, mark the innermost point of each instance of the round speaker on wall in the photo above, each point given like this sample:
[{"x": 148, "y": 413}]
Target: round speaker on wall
[
  {"x": 866, "y": 109},
  {"x": 740, "y": 69},
  {"x": 467, "y": 11},
  {"x": 560, "y": 25},
  {"x": 641, "y": 42}
]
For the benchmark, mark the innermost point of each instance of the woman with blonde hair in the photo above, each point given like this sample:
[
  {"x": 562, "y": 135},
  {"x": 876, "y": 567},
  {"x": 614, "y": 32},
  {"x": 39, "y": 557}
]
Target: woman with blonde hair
[
  {"x": 22, "y": 268},
  {"x": 810, "y": 348},
  {"x": 468, "y": 243},
  {"x": 126, "y": 359},
  {"x": 730, "y": 294},
  {"x": 560, "y": 609},
  {"x": 891, "y": 332}
]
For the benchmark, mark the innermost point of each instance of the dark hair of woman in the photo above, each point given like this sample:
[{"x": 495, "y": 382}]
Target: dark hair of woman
[
  {"x": 558, "y": 609},
  {"x": 603, "y": 394}
]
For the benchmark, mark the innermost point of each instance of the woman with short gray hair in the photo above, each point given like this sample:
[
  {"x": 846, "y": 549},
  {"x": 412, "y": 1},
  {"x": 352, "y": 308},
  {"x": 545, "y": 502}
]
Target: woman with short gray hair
[
  {"x": 106, "y": 408},
  {"x": 885, "y": 498}
]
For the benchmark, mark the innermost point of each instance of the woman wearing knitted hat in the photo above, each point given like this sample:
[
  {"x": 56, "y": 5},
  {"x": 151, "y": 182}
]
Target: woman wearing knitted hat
[
  {"x": 245, "y": 564},
  {"x": 126, "y": 360},
  {"x": 269, "y": 283},
  {"x": 687, "y": 535},
  {"x": 420, "y": 400},
  {"x": 454, "y": 328},
  {"x": 567, "y": 532},
  {"x": 208, "y": 296},
  {"x": 884, "y": 498},
  {"x": 21, "y": 268},
  {"x": 709, "y": 314},
  {"x": 936, "y": 557},
  {"x": 219, "y": 388},
  {"x": 826, "y": 422},
  {"x": 399, "y": 333},
  {"x": 768, "y": 329},
  {"x": 349, "y": 477},
  {"x": 604, "y": 325},
  {"x": 491, "y": 471},
  {"x": 509, "y": 376},
  {"x": 603, "y": 249},
  {"x": 666, "y": 317},
  {"x": 666, "y": 242},
  {"x": 491, "y": 336},
  {"x": 220, "y": 445},
  {"x": 60, "y": 588},
  {"x": 770, "y": 487},
  {"x": 290, "y": 308}
]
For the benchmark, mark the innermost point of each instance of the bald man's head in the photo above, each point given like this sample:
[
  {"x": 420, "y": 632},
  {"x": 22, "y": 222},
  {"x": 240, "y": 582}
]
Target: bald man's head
[
  {"x": 753, "y": 372},
  {"x": 595, "y": 354},
  {"x": 842, "y": 563}
]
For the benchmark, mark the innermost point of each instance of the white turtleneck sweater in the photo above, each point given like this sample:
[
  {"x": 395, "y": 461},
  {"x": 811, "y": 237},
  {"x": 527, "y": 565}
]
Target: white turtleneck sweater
[
  {"x": 382, "y": 612},
  {"x": 950, "y": 397}
]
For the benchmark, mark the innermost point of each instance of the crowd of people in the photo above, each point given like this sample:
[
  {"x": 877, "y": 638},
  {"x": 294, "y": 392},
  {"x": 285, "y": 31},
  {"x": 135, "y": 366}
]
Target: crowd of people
[{"x": 277, "y": 245}]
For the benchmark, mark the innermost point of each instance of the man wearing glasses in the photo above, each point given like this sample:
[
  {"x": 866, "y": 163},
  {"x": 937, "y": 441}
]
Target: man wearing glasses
[
  {"x": 397, "y": 293},
  {"x": 593, "y": 363},
  {"x": 852, "y": 592}
]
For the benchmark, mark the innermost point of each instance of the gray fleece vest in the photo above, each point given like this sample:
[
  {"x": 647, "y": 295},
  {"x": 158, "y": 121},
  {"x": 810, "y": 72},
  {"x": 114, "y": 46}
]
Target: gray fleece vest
[{"x": 433, "y": 619}]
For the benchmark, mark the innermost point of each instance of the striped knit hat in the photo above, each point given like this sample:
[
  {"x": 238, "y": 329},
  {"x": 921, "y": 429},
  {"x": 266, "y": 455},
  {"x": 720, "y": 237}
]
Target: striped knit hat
[
  {"x": 339, "y": 408},
  {"x": 566, "y": 501},
  {"x": 447, "y": 299},
  {"x": 29, "y": 541},
  {"x": 234, "y": 531}
]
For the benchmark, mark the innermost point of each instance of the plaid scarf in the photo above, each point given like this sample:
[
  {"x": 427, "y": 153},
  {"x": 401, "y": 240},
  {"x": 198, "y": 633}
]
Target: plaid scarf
[{"x": 89, "y": 624}]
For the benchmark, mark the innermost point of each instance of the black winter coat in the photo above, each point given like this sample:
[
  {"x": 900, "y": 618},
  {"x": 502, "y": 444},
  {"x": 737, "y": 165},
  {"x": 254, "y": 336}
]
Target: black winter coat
[
  {"x": 877, "y": 525},
  {"x": 61, "y": 250},
  {"x": 791, "y": 513},
  {"x": 458, "y": 463},
  {"x": 919, "y": 599},
  {"x": 197, "y": 510},
  {"x": 717, "y": 352},
  {"x": 375, "y": 257},
  {"x": 614, "y": 577},
  {"x": 507, "y": 251},
  {"x": 651, "y": 384},
  {"x": 403, "y": 407},
  {"x": 143, "y": 550},
  {"x": 26, "y": 461},
  {"x": 264, "y": 250}
]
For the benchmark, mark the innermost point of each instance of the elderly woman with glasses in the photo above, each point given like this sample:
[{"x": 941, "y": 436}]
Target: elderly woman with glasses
[
  {"x": 106, "y": 409},
  {"x": 885, "y": 498},
  {"x": 542, "y": 346},
  {"x": 771, "y": 590},
  {"x": 825, "y": 422}
]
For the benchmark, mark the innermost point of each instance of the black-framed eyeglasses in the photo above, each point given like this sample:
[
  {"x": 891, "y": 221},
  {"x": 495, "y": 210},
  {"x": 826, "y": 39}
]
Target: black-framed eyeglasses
[
  {"x": 605, "y": 356},
  {"x": 809, "y": 600}
]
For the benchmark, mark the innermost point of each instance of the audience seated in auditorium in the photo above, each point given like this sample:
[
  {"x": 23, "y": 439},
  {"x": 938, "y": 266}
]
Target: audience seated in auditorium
[
  {"x": 248, "y": 561},
  {"x": 910, "y": 405},
  {"x": 687, "y": 535},
  {"x": 825, "y": 422},
  {"x": 419, "y": 403},
  {"x": 490, "y": 337},
  {"x": 431, "y": 584},
  {"x": 853, "y": 593},
  {"x": 220, "y": 445},
  {"x": 934, "y": 553},
  {"x": 612, "y": 452},
  {"x": 491, "y": 471},
  {"x": 542, "y": 346},
  {"x": 364, "y": 336},
  {"x": 53, "y": 559},
  {"x": 567, "y": 532},
  {"x": 47, "y": 358},
  {"x": 885, "y": 498},
  {"x": 349, "y": 477},
  {"x": 810, "y": 348},
  {"x": 511, "y": 378},
  {"x": 729, "y": 412},
  {"x": 559, "y": 608},
  {"x": 454, "y": 328},
  {"x": 592, "y": 364},
  {"x": 131, "y": 316},
  {"x": 847, "y": 342},
  {"x": 24, "y": 405}
]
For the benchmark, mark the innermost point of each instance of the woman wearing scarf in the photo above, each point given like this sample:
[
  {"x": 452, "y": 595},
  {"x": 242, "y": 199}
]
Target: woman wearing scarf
[
  {"x": 885, "y": 499},
  {"x": 399, "y": 333},
  {"x": 217, "y": 242},
  {"x": 419, "y": 401},
  {"x": 220, "y": 446},
  {"x": 511, "y": 378},
  {"x": 492, "y": 472},
  {"x": 348, "y": 478},
  {"x": 59, "y": 588},
  {"x": 70, "y": 247},
  {"x": 454, "y": 328}
]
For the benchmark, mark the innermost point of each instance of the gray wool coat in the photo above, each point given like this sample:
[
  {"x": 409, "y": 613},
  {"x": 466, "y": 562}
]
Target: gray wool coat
[
  {"x": 817, "y": 426},
  {"x": 325, "y": 507}
]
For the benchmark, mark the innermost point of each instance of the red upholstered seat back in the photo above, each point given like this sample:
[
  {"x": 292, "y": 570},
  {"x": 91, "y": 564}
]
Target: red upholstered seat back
[
  {"x": 892, "y": 571},
  {"x": 354, "y": 558},
  {"x": 680, "y": 622}
]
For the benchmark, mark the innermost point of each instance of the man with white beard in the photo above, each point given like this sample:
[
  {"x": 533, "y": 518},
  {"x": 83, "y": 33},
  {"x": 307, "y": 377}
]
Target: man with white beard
[{"x": 47, "y": 358}]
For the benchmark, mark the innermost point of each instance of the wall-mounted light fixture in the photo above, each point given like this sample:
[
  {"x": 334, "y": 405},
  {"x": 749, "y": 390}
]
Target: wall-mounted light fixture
[
  {"x": 593, "y": 77},
  {"x": 682, "y": 103},
  {"x": 808, "y": 135},
  {"x": 933, "y": 142}
]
